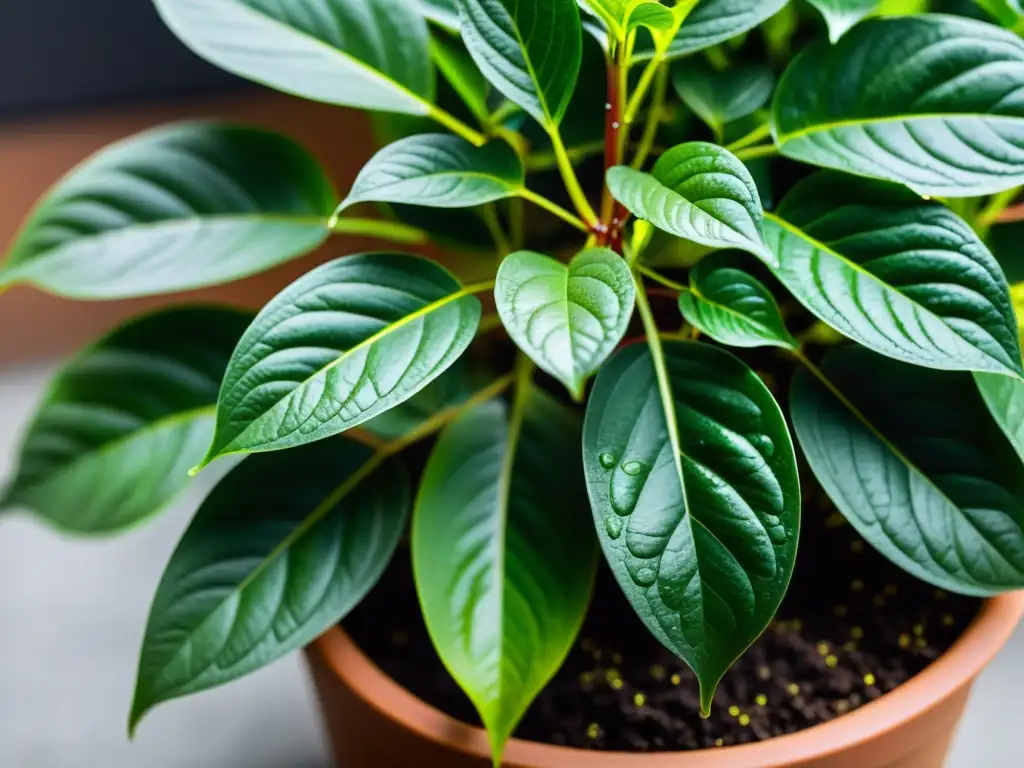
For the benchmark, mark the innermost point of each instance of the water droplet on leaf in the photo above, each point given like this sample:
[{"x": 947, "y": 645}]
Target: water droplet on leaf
[
  {"x": 614, "y": 526},
  {"x": 645, "y": 577},
  {"x": 608, "y": 460},
  {"x": 633, "y": 468}
]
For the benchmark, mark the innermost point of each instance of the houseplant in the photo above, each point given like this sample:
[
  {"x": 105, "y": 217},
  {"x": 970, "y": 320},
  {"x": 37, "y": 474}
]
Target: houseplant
[{"x": 606, "y": 152}]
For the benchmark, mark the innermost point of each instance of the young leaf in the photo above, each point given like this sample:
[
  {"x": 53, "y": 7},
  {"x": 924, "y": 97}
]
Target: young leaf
[
  {"x": 503, "y": 557},
  {"x": 568, "y": 319},
  {"x": 342, "y": 344},
  {"x": 721, "y": 97},
  {"x": 913, "y": 461},
  {"x": 173, "y": 209},
  {"x": 1005, "y": 400},
  {"x": 696, "y": 499},
  {"x": 368, "y": 54},
  {"x": 714, "y": 21},
  {"x": 122, "y": 424},
  {"x": 281, "y": 550},
  {"x": 530, "y": 50},
  {"x": 902, "y": 276},
  {"x": 841, "y": 15},
  {"x": 699, "y": 192},
  {"x": 455, "y": 63},
  {"x": 928, "y": 101},
  {"x": 733, "y": 307},
  {"x": 440, "y": 171}
]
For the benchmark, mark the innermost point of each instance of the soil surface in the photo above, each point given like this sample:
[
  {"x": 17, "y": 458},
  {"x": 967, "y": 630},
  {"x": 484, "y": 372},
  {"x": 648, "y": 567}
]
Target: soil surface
[{"x": 852, "y": 628}]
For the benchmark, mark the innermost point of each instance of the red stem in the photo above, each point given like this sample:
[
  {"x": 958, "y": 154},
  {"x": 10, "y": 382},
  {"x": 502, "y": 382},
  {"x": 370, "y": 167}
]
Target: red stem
[{"x": 613, "y": 214}]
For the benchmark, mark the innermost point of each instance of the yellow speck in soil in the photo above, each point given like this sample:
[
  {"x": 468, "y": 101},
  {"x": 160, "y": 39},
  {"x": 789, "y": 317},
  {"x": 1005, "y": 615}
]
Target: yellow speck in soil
[
  {"x": 761, "y": 700},
  {"x": 922, "y": 642},
  {"x": 657, "y": 672},
  {"x": 587, "y": 678},
  {"x": 948, "y": 620},
  {"x": 869, "y": 679},
  {"x": 904, "y": 640},
  {"x": 639, "y": 699},
  {"x": 593, "y": 731},
  {"x": 831, "y": 661},
  {"x": 719, "y": 742},
  {"x": 614, "y": 678},
  {"x": 797, "y": 625},
  {"x": 918, "y": 630},
  {"x": 734, "y": 711},
  {"x": 857, "y": 633},
  {"x": 857, "y": 585},
  {"x": 765, "y": 673},
  {"x": 744, "y": 720},
  {"x": 823, "y": 649},
  {"x": 840, "y": 611},
  {"x": 794, "y": 689},
  {"x": 842, "y": 706},
  {"x": 676, "y": 679}
]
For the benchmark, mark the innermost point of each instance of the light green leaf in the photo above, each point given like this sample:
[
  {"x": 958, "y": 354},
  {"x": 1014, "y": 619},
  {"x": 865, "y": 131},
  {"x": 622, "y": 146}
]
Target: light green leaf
[
  {"x": 714, "y": 21},
  {"x": 439, "y": 171},
  {"x": 368, "y": 54},
  {"x": 455, "y": 63},
  {"x": 661, "y": 20},
  {"x": 173, "y": 209},
  {"x": 721, "y": 97},
  {"x": 841, "y": 15},
  {"x": 902, "y": 276},
  {"x": 530, "y": 50},
  {"x": 611, "y": 12},
  {"x": 699, "y": 192},
  {"x": 694, "y": 489},
  {"x": 121, "y": 425},
  {"x": 733, "y": 307},
  {"x": 282, "y": 549},
  {"x": 503, "y": 557},
  {"x": 1005, "y": 400},
  {"x": 914, "y": 462},
  {"x": 568, "y": 319},
  {"x": 926, "y": 101},
  {"x": 444, "y": 13},
  {"x": 1009, "y": 13},
  {"x": 342, "y": 344}
]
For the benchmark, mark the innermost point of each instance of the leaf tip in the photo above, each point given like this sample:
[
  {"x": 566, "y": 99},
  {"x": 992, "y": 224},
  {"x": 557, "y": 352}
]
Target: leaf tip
[{"x": 707, "y": 697}]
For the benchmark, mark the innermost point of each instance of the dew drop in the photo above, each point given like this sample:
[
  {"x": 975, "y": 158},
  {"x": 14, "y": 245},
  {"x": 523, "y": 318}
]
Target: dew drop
[
  {"x": 633, "y": 468},
  {"x": 645, "y": 577},
  {"x": 607, "y": 460},
  {"x": 772, "y": 521},
  {"x": 613, "y": 525}
]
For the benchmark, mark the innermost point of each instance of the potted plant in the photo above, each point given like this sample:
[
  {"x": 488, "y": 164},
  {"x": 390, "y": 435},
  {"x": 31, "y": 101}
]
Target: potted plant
[{"x": 611, "y": 162}]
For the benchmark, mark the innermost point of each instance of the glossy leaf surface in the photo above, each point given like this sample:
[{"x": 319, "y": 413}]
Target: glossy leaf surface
[
  {"x": 567, "y": 318},
  {"x": 529, "y": 50},
  {"x": 721, "y": 97},
  {"x": 841, "y": 15},
  {"x": 121, "y": 425},
  {"x": 918, "y": 468},
  {"x": 440, "y": 171},
  {"x": 933, "y": 102},
  {"x": 455, "y": 63},
  {"x": 694, "y": 488},
  {"x": 503, "y": 555},
  {"x": 733, "y": 307},
  {"x": 714, "y": 21},
  {"x": 342, "y": 344},
  {"x": 699, "y": 192},
  {"x": 281, "y": 550},
  {"x": 368, "y": 54},
  {"x": 172, "y": 209},
  {"x": 1005, "y": 400},
  {"x": 903, "y": 276}
]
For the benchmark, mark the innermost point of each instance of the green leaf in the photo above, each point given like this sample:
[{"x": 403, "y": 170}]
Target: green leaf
[
  {"x": 1005, "y": 400},
  {"x": 121, "y": 424},
  {"x": 368, "y": 54},
  {"x": 568, "y": 319},
  {"x": 841, "y": 15},
  {"x": 914, "y": 462},
  {"x": 659, "y": 19},
  {"x": 458, "y": 69},
  {"x": 721, "y": 97},
  {"x": 902, "y": 276},
  {"x": 927, "y": 101},
  {"x": 611, "y": 12},
  {"x": 529, "y": 50},
  {"x": 733, "y": 307},
  {"x": 699, "y": 192},
  {"x": 281, "y": 550},
  {"x": 503, "y": 581},
  {"x": 440, "y": 171},
  {"x": 714, "y": 21},
  {"x": 444, "y": 13},
  {"x": 1009, "y": 13},
  {"x": 696, "y": 499},
  {"x": 342, "y": 344},
  {"x": 173, "y": 209}
]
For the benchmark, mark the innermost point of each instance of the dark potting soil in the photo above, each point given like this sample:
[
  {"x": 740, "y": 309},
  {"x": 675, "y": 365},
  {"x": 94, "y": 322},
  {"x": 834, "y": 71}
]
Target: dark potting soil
[{"x": 852, "y": 628}]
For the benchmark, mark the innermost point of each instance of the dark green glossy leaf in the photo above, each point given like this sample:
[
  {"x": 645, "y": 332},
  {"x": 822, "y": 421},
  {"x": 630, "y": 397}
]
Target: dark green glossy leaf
[
  {"x": 503, "y": 555},
  {"x": 341, "y": 345},
  {"x": 369, "y": 54},
  {"x": 529, "y": 50},
  {"x": 455, "y": 63},
  {"x": 282, "y": 549},
  {"x": 438, "y": 170},
  {"x": 121, "y": 425},
  {"x": 172, "y": 209},
  {"x": 567, "y": 318},
  {"x": 841, "y": 15},
  {"x": 719, "y": 97},
  {"x": 714, "y": 21},
  {"x": 694, "y": 488},
  {"x": 699, "y": 192},
  {"x": 928, "y": 101},
  {"x": 733, "y": 307},
  {"x": 905, "y": 277},
  {"x": 918, "y": 467}
]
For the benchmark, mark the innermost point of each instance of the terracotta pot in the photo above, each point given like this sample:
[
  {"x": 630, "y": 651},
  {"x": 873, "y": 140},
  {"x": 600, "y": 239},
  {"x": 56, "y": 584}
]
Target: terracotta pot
[{"x": 375, "y": 723}]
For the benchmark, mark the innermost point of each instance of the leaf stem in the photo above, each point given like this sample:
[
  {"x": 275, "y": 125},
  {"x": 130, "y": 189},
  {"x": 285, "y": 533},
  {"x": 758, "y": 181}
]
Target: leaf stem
[
  {"x": 572, "y": 183},
  {"x": 489, "y": 213},
  {"x": 752, "y": 153},
  {"x": 544, "y": 161},
  {"x": 760, "y": 133},
  {"x": 455, "y": 125},
  {"x": 637, "y": 99},
  {"x": 653, "y": 119},
  {"x": 555, "y": 208},
  {"x": 659, "y": 278},
  {"x": 388, "y": 230}
]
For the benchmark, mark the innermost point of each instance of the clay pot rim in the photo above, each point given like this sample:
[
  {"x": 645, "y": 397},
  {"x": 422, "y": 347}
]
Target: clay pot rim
[{"x": 955, "y": 669}]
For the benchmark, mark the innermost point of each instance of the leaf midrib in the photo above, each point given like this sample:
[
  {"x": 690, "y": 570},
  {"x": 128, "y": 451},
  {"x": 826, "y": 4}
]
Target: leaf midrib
[{"x": 512, "y": 188}]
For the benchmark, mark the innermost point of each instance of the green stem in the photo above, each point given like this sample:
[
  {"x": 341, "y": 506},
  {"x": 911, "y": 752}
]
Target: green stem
[
  {"x": 752, "y": 153},
  {"x": 388, "y": 230},
  {"x": 637, "y": 99},
  {"x": 653, "y": 119},
  {"x": 659, "y": 278},
  {"x": 572, "y": 183},
  {"x": 455, "y": 125},
  {"x": 554, "y": 208},
  {"x": 545, "y": 161},
  {"x": 758, "y": 134},
  {"x": 504, "y": 111},
  {"x": 489, "y": 213},
  {"x": 996, "y": 205}
]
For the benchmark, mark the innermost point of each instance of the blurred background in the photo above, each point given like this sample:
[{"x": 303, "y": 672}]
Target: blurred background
[{"x": 75, "y": 76}]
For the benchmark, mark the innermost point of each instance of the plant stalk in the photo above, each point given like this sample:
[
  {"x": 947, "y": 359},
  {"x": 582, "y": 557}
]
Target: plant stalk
[
  {"x": 653, "y": 119},
  {"x": 760, "y": 133},
  {"x": 555, "y": 208},
  {"x": 455, "y": 125},
  {"x": 572, "y": 183}
]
